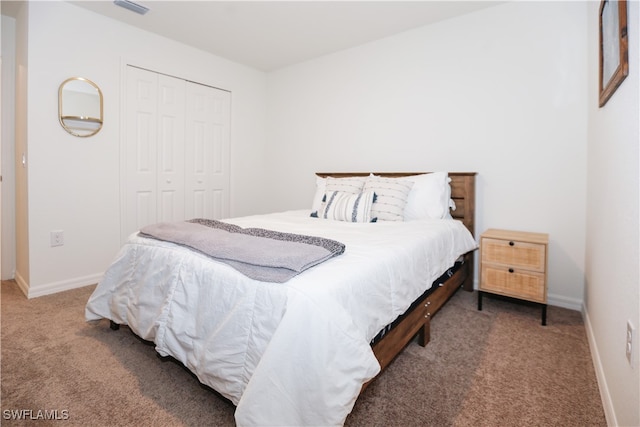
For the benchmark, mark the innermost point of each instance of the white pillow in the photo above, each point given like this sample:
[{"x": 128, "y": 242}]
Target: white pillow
[
  {"x": 391, "y": 197},
  {"x": 341, "y": 206},
  {"x": 321, "y": 184},
  {"x": 430, "y": 197}
]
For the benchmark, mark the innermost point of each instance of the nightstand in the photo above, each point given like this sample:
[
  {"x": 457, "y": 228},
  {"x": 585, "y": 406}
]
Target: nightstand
[{"x": 514, "y": 264}]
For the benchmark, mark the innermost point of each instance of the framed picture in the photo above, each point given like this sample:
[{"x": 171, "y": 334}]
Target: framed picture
[{"x": 614, "y": 55}]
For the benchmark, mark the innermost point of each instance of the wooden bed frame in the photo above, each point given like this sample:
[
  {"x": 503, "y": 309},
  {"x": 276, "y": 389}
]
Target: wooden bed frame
[{"x": 416, "y": 321}]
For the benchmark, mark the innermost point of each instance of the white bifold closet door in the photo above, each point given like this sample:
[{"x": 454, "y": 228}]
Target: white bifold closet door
[{"x": 176, "y": 150}]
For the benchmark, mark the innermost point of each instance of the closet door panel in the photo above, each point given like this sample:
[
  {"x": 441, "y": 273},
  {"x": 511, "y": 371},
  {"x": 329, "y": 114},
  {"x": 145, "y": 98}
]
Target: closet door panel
[
  {"x": 171, "y": 104},
  {"x": 140, "y": 151},
  {"x": 207, "y": 152}
]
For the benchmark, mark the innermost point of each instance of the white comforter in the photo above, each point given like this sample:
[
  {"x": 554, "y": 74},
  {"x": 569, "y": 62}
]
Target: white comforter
[{"x": 294, "y": 353}]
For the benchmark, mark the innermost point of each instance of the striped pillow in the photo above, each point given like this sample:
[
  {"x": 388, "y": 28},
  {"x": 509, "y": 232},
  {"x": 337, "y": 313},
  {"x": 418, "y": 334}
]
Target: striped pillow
[
  {"x": 351, "y": 185},
  {"x": 391, "y": 197},
  {"x": 341, "y": 206}
]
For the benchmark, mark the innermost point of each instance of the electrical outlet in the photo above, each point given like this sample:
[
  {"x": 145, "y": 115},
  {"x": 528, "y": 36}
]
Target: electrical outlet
[
  {"x": 631, "y": 338},
  {"x": 57, "y": 238}
]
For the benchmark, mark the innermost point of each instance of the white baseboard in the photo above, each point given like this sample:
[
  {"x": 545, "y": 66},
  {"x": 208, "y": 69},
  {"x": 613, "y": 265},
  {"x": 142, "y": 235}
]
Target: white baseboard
[
  {"x": 565, "y": 302},
  {"x": 64, "y": 285},
  {"x": 607, "y": 404}
]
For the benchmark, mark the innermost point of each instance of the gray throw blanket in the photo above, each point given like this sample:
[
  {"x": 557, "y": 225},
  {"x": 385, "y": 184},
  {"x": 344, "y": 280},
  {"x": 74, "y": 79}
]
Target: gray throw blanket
[{"x": 265, "y": 255}]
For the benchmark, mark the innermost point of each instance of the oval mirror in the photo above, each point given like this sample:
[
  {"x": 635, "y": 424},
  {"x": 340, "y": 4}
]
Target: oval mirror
[{"x": 80, "y": 107}]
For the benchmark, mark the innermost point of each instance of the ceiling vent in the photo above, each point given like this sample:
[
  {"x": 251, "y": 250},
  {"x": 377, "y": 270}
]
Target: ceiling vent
[{"x": 134, "y": 7}]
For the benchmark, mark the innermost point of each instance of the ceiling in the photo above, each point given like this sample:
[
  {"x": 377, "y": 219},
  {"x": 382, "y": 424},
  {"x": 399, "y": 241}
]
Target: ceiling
[{"x": 268, "y": 35}]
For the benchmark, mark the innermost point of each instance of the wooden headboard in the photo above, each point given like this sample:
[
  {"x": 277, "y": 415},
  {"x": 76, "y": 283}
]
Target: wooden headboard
[{"x": 463, "y": 191}]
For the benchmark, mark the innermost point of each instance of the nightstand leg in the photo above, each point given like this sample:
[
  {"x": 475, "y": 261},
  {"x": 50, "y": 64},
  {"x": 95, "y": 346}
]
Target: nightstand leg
[
  {"x": 544, "y": 314},
  {"x": 480, "y": 300}
]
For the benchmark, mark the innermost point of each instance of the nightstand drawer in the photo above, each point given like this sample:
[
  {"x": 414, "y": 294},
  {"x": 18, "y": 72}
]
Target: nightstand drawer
[
  {"x": 513, "y": 282},
  {"x": 512, "y": 253}
]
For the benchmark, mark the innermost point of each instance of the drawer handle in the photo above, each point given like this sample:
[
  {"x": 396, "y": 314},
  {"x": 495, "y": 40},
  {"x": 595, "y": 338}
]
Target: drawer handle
[
  {"x": 511, "y": 243},
  {"x": 511, "y": 270}
]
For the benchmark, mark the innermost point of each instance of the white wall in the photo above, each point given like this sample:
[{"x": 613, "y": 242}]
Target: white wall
[
  {"x": 73, "y": 183},
  {"x": 612, "y": 293},
  {"x": 500, "y": 92}
]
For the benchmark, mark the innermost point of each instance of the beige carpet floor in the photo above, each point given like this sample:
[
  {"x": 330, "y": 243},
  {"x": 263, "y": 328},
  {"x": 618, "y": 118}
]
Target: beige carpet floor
[{"x": 496, "y": 367}]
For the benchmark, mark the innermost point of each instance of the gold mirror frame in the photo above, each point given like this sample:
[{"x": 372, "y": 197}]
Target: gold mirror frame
[{"x": 80, "y": 108}]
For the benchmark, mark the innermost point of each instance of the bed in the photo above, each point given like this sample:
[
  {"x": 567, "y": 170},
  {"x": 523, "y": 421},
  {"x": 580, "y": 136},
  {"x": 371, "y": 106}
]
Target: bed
[{"x": 298, "y": 352}]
